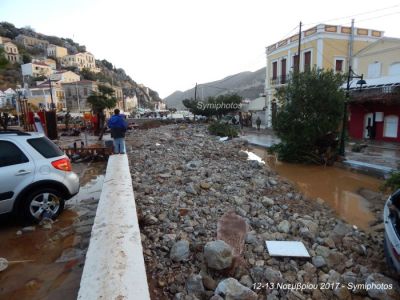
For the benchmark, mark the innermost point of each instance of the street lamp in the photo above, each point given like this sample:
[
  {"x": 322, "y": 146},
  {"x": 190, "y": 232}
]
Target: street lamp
[{"x": 351, "y": 75}]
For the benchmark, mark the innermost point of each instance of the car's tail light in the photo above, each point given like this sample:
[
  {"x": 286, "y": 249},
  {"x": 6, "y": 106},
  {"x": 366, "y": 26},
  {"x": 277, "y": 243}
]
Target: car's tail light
[
  {"x": 62, "y": 164},
  {"x": 396, "y": 255}
]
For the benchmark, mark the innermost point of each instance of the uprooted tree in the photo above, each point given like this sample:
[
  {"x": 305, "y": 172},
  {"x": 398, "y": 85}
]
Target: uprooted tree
[
  {"x": 101, "y": 100},
  {"x": 309, "y": 117}
]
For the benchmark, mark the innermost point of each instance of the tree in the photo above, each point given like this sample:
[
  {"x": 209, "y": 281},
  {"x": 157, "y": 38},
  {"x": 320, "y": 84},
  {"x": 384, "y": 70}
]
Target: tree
[
  {"x": 88, "y": 75},
  {"x": 3, "y": 59},
  {"x": 214, "y": 106},
  {"x": 308, "y": 120},
  {"x": 101, "y": 100}
]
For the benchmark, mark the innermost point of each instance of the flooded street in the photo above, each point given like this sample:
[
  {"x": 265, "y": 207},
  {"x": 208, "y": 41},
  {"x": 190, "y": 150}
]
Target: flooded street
[
  {"x": 337, "y": 187},
  {"x": 55, "y": 255}
]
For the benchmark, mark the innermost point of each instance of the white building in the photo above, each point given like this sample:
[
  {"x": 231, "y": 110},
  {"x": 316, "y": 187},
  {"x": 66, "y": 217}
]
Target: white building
[{"x": 36, "y": 69}]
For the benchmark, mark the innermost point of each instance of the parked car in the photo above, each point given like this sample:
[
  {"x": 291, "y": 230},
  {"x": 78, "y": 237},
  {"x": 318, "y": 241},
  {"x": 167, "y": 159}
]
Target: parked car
[
  {"x": 391, "y": 218},
  {"x": 35, "y": 176}
]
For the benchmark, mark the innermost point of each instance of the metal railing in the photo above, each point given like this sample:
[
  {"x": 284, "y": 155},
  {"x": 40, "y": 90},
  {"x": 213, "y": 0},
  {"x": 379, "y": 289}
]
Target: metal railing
[
  {"x": 383, "y": 92},
  {"x": 282, "y": 79}
]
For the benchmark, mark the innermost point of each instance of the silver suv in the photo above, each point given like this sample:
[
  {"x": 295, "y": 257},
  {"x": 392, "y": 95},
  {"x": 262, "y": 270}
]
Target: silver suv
[{"x": 35, "y": 176}]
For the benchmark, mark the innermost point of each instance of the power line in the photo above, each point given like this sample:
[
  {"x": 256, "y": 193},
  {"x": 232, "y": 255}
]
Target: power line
[{"x": 352, "y": 16}]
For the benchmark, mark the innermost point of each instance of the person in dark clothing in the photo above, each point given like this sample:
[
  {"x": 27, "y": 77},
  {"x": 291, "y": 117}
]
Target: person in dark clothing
[
  {"x": 258, "y": 122},
  {"x": 118, "y": 127}
]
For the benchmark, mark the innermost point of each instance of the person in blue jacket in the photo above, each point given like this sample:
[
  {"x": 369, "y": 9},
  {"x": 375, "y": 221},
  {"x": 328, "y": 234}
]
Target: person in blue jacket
[{"x": 118, "y": 126}]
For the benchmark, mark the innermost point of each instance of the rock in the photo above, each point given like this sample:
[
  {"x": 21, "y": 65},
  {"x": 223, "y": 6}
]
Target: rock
[
  {"x": 267, "y": 202},
  {"x": 257, "y": 274},
  {"x": 336, "y": 260},
  {"x": 342, "y": 293},
  {"x": 28, "y": 229},
  {"x": 205, "y": 185},
  {"x": 329, "y": 242},
  {"x": 322, "y": 251},
  {"x": 209, "y": 283},
  {"x": 246, "y": 281},
  {"x": 284, "y": 226},
  {"x": 218, "y": 255},
  {"x": 180, "y": 251},
  {"x": 194, "y": 285},
  {"x": 382, "y": 287},
  {"x": 148, "y": 220},
  {"x": 19, "y": 232},
  {"x": 233, "y": 290},
  {"x": 318, "y": 261},
  {"x": 272, "y": 275},
  {"x": 190, "y": 189}
]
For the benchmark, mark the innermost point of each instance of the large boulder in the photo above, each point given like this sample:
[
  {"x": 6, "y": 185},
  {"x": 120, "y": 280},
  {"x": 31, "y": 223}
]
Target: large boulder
[
  {"x": 233, "y": 290},
  {"x": 218, "y": 255}
]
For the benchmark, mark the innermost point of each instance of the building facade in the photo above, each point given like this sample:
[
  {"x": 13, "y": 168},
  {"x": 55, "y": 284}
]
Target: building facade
[
  {"x": 374, "y": 110},
  {"x": 29, "y": 41},
  {"x": 42, "y": 97},
  {"x": 36, "y": 69},
  {"x": 323, "y": 46},
  {"x": 80, "y": 61},
  {"x": 56, "y": 51},
  {"x": 76, "y": 94},
  {"x": 65, "y": 76},
  {"x": 11, "y": 52}
]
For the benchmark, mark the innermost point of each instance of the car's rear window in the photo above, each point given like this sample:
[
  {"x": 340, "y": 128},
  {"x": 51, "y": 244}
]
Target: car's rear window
[{"x": 45, "y": 147}]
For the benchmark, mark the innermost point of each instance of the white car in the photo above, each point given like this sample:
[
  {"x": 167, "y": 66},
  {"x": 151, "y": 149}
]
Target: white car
[
  {"x": 35, "y": 176},
  {"x": 391, "y": 218}
]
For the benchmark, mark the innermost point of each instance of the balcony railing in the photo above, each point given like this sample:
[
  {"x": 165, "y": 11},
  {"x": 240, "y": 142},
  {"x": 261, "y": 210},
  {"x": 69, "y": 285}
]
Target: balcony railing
[
  {"x": 376, "y": 93},
  {"x": 283, "y": 79}
]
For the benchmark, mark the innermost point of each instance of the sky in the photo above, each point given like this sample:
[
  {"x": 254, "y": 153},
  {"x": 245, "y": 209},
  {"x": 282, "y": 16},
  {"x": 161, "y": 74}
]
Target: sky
[{"x": 171, "y": 45}]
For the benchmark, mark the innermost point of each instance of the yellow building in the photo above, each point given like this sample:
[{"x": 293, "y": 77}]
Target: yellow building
[
  {"x": 376, "y": 106},
  {"x": 65, "y": 76},
  {"x": 29, "y": 41},
  {"x": 42, "y": 98},
  {"x": 11, "y": 52},
  {"x": 80, "y": 60},
  {"x": 56, "y": 51},
  {"x": 323, "y": 46}
]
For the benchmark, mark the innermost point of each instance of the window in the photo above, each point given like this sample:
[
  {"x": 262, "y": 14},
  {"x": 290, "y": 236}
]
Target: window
[
  {"x": 339, "y": 65},
  {"x": 85, "y": 93},
  {"x": 374, "y": 70},
  {"x": 295, "y": 62},
  {"x": 45, "y": 147},
  {"x": 274, "y": 70},
  {"x": 307, "y": 60},
  {"x": 394, "y": 69},
  {"x": 283, "y": 70},
  {"x": 391, "y": 124},
  {"x": 10, "y": 154}
]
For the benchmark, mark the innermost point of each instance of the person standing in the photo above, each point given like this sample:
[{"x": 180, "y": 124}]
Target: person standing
[
  {"x": 258, "y": 122},
  {"x": 118, "y": 127}
]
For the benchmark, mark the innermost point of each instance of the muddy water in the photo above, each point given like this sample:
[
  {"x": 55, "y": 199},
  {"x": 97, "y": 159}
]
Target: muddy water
[
  {"x": 44, "y": 278},
  {"x": 337, "y": 187}
]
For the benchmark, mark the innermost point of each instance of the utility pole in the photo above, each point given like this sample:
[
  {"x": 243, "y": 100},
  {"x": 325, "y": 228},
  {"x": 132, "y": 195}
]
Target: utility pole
[
  {"x": 342, "y": 145},
  {"x": 298, "y": 50},
  {"x": 351, "y": 45},
  {"x": 195, "y": 92}
]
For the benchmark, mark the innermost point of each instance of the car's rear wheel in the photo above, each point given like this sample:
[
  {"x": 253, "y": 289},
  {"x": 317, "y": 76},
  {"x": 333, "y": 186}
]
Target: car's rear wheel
[{"x": 44, "y": 202}]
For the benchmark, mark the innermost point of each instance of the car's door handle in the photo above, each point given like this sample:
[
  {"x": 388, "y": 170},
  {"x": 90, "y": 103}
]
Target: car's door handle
[{"x": 22, "y": 172}]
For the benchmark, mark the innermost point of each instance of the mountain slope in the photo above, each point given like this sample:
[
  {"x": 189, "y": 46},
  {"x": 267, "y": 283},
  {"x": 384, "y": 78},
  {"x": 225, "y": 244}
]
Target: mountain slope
[{"x": 246, "y": 84}]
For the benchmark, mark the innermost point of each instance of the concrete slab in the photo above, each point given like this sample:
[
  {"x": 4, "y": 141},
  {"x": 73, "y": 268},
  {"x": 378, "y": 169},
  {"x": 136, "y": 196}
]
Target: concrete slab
[{"x": 114, "y": 266}]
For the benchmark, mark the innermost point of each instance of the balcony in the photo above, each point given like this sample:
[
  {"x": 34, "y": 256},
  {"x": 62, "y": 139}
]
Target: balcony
[
  {"x": 283, "y": 79},
  {"x": 389, "y": 94}
]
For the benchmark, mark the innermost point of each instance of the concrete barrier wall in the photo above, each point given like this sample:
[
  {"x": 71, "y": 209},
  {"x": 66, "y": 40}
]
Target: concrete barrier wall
[{"x": 114, "y": 266}]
